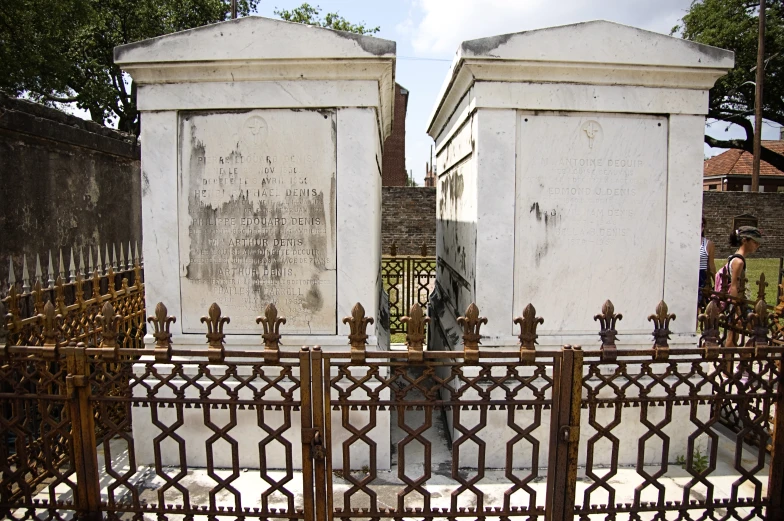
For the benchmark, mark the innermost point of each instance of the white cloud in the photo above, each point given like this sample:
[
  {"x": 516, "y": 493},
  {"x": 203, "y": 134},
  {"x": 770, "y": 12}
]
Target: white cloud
[{"x": 443, "y": 24}]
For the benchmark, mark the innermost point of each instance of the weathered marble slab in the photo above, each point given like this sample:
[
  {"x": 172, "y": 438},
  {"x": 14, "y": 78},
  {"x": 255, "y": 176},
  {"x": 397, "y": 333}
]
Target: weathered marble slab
[
  {"x": 256, "y": 206},
  {"x": 590, "y": 217}
]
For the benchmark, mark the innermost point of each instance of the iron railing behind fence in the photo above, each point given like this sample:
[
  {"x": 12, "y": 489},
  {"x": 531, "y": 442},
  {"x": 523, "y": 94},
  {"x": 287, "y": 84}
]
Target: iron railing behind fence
[
  {"x": 78, "y": 295},
  {"x": 408, "y": 280}
]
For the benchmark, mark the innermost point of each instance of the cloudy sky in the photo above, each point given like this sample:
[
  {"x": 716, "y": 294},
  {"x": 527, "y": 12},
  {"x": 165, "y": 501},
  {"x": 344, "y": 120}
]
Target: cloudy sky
[{"x": 428, "y": 33}]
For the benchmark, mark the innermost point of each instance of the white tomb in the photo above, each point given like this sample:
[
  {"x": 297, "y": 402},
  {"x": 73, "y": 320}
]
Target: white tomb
[
  {"x": 570, "y": 172},
  {"x": 569, "y": 165},
  {"x": 261, "y": 153}
]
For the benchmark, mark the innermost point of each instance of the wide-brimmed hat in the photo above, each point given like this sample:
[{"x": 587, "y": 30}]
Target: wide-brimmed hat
[{"x": 749, "y": 232}]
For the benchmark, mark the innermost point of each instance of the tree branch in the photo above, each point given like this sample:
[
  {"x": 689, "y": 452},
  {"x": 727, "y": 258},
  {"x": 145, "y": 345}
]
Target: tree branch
[
  {"x": 742, "y": 144},
  {"x": 767, "y": 155}
]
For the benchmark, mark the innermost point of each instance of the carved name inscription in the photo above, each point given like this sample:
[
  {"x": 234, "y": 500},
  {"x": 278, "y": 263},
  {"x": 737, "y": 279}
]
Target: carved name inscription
[
  {"x": 590, "y": 215},
  {"x": 257, "y": 217}
]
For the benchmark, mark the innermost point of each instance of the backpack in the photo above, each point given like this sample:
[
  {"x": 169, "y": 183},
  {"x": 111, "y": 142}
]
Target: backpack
[{"x": 723, "y": 279}]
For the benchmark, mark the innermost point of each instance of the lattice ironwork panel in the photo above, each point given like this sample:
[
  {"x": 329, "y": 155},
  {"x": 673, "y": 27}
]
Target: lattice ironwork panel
[
  {"x": 199, "y": 439},
  {"x": 467, "y": 441},
  {"x": 407, "y": 281},
  {"x": 393, "y": 274},
  {"x": 652, "y": 442},
  {"x": 37, "y": 466}
]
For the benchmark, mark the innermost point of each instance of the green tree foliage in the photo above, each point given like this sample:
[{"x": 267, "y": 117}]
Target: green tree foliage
[
  {"x": 309, "y": 15},
  {"x": 62, "y": 51},
  {"x": 734, "y": 25}
]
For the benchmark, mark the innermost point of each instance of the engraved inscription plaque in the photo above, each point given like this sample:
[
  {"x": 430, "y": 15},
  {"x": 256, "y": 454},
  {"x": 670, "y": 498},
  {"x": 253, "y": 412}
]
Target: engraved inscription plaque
[
  {"x": 256, "y": 208},
  {"x": 590, "y": 218}
]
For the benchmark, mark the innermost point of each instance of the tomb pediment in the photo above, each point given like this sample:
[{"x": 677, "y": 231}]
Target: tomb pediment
[
  {"x": 253, "y": 38},
  {"x": 600, "y": 42}
]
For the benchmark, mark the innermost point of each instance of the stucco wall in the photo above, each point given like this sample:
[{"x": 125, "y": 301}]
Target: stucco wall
[{"x": 64, "y": 183}]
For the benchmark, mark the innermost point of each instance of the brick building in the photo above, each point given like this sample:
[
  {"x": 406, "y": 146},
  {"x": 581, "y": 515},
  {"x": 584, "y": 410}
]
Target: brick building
[
  {"x": 393, "y": 161},
  {"x": 430, "y": 175},
  {"x": 730, "y": 171}
]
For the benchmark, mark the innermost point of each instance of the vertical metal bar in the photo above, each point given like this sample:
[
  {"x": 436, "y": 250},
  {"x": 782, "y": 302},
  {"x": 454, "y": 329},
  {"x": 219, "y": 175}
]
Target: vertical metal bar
[
  {"x": 83, "y": 429},
  {"x": 306, "y": 418},
  {"x": 553, "y": 449},
  {"x": 776, "y": 473},
  {"x": 327, "y": 400},
  {"x": 564, "y": 437},
  {"x": 317, "y": 361},
  {"x": 233, "y": 9},
  {"x": 561, "y": 417},
  {"x": 574, "y": 432}
]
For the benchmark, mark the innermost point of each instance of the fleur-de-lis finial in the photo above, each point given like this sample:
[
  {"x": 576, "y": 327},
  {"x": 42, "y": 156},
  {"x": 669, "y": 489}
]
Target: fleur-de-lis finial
[
  {"x": 271, "y": 335},
  {"x": 607, "y": 319},
  {"x": 50, "y": 329},
  {"x": 415, "y": 332},
  {"x": 161, "y": 323},
  {"x": 215, "y": 334},
  {"x": 111, "y": 282},
  {"x": 96, "y": 285},
  {"x": 471, "y": 323},
  {"x": 724, "y": 276},
  {"x": 762, "y": 285},
  {"x": 393, "y": 249},
  {"x": 137, "y": 274},
  {"x": 710, "y": 322},
  {"x": 661, "y": 330},
  {"x": 760, "y": 324},
  {"x": 38, "y": 298},
  {"x": 79, "y": 291},
  {"x": 528, "y": 323},
  {"x": 13, "y": 318},
  {"x": 59, "y": 296},
  {"x": 110, "y": 323},
  {"x": 358, "y": 323}
]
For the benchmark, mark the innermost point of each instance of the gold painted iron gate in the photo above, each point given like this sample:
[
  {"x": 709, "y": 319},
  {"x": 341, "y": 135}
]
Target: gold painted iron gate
[{"x": 218, "y": 434}]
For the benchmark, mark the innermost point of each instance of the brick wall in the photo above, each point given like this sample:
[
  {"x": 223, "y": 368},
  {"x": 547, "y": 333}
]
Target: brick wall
[
  {"x": 720, "y": 207},
  {"x": 408, "y": 217},
  {"x": 393, "y": 160},
  {"x": 64, "y": 182}
]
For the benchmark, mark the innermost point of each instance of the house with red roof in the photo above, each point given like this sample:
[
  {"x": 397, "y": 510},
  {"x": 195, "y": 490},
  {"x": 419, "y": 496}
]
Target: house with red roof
[{"x": 730, "y": 171}]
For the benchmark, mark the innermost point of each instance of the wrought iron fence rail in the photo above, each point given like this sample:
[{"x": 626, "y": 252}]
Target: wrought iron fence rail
[{"x": 535, "y": 396}]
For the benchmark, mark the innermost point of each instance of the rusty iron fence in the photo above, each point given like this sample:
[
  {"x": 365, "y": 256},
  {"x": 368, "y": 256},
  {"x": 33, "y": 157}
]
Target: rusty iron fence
[
  {"x": 408, "y": 280},
  {"x": 77, "y": 294},
  {"x": 729, "y": 321},
  {"x": 484, "y": 433}
]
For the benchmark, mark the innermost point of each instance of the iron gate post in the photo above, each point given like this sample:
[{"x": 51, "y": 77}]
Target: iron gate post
[
  {"x": 320, "y": 443},
  {"x": 83, "y": 432},
  {"x": 564, "y": 436},
  {"x": 306, "y": 419},
  {"x": 776, "y": 472}
]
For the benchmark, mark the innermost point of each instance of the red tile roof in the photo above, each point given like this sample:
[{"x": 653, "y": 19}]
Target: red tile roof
[{"x": 739, "y": 162}]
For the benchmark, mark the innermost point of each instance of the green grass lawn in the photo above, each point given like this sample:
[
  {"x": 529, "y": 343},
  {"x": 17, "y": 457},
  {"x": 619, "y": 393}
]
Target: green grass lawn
[
  {"x": 754, "y": 267},
  {"x": 398, "y": 338}
]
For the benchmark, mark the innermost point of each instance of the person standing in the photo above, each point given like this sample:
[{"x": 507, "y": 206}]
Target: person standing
[
  {"x": 707, "y": 265},
  {"x": 747, "y": 239},
  {"x": 731, "y": 277}
]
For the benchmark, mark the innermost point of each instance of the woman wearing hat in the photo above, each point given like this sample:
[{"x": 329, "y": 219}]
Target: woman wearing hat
[{"x": 747, "y": 239}]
